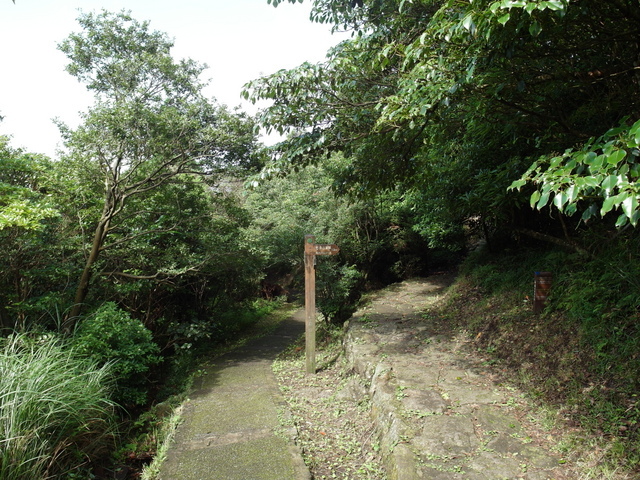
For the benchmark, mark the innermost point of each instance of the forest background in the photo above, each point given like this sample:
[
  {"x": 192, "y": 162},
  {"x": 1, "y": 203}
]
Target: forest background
[{"x": 510, "y": 128}]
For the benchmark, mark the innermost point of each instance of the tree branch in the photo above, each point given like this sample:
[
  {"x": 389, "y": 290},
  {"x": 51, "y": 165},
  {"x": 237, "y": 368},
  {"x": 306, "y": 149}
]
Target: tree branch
[
  {"x": 138, "y": 235},
  {"x": 555, "y": 240}
]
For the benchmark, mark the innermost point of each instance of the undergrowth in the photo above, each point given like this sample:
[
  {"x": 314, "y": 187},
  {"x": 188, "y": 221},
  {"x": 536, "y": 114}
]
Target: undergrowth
[
  {"x": 330, "y": 413},
  {"x": 581, "y": 354}
]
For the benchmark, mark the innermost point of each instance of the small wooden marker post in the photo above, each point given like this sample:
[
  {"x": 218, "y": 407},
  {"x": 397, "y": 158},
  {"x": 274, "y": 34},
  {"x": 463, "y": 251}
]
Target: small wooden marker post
[
  {"x": 541, "y": 288},
  {"x": 311, "y": 249}
]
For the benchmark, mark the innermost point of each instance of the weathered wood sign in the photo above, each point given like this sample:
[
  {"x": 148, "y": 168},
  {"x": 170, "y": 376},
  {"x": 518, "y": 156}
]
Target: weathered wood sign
[
  {"x": 311, "y": 249},
  {"x": 326, "y": 249}
]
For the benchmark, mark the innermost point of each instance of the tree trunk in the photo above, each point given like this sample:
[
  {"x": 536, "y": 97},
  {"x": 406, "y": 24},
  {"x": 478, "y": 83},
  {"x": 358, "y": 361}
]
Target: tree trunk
[
  {"x": 83, "y": 286},
  {"x": 570, "y": 244}
]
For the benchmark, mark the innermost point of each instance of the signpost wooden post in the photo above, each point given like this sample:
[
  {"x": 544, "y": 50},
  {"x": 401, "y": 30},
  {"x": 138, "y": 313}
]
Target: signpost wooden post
[{"x": 311, "y": 249}]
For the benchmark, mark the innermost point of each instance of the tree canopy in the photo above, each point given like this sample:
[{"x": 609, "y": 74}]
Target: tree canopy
[{"x": 457, "y": 99}]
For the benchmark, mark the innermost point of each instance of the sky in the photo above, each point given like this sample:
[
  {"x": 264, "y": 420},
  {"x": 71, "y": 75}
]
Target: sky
[{"x": 240, "y": 40}]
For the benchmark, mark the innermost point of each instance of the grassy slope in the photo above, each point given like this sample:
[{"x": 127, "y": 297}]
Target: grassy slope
[{"x": 580, "y": 356}]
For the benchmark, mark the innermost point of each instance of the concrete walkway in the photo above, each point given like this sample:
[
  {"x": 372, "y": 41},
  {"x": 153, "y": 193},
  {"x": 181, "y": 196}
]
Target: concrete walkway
[{"x": 233, "y": 425}]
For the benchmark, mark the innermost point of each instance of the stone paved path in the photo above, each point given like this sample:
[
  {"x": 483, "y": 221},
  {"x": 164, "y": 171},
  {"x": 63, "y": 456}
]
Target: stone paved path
[
  {"x": 439, "y": 413},
  {"x": 232, "y": 427}
]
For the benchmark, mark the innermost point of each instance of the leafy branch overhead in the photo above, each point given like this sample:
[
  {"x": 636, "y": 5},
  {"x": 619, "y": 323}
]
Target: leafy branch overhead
[{"x": 602, "y": 175}]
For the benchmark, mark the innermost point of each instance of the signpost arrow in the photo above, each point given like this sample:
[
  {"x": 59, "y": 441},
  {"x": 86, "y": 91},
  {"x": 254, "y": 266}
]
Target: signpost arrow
[
  {"x": 311, "y": 249},
  {"x": 327, "y": 249}
]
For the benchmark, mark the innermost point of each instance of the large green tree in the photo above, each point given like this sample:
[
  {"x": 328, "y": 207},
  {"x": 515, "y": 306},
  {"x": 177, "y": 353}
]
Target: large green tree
[
  {"x": 456, "y": 98},
  {"x": 150, "y": 128}
]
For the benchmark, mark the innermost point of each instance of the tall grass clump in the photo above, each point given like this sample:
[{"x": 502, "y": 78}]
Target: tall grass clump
[{"x": 54, "y": 409}]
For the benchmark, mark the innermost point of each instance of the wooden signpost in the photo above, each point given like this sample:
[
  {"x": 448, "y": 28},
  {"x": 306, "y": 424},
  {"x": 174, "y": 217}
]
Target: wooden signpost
[{"x": 311, "y": 249}]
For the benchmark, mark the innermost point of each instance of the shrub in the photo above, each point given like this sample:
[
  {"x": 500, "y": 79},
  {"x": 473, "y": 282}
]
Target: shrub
[
  {"x": 54, "y": 408},
  {"x": 339, "y": 288},
  {"x": 110, "y": 335}
]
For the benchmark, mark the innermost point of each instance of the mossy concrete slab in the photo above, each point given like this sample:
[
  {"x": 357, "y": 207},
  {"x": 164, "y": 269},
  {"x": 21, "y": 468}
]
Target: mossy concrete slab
[
  {"x": 226, "y": 412},
  {"x": 447, "y": 435},
  {"x": 262, "y": 458},
  {"x": 231, "y": 426}
]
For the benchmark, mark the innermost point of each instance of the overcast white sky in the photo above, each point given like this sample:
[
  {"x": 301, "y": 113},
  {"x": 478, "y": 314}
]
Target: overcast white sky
[{"x": 239, "y": 39}]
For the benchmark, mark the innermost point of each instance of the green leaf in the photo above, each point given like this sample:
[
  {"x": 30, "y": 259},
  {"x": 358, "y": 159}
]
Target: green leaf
[
  {"x": 504, "y": 19},
  {"x": 616, "y": 157},
  {"x": 535, "y": 196},
  {"x": 635, "y": 132},
  {"x": 622, "y": 221},
  {"x": 544, "y": 199},
  {"x": 560, "y": 199},
  {"x": 623, "y": 181},
  {"x": 623, "y": 170},
  {"x": 589, "y": 157},
  {"x": 591, "y": 181},
  {"x": 609, "y": 148},
  {"x": 555, "y": 5},
  {"x": 608, "y": 204},
  {"x": 630, "y": 205},
  {"x": 468, "y": 23},
  {"x": 535, "y": 28},
  {"x": 517, "y": 184},
  {"x": 610, "y": 183},
  {"x": 597, "y": 163},
  {"x": 633, "y": 142},
  {"x": 589, "y": 212},
  {"x": 555, "y": 161},
  {"x": 569, "y": 166}
]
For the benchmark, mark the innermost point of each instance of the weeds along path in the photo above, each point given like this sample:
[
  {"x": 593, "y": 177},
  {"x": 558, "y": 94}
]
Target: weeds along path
[{"x": 233, "y": 426}]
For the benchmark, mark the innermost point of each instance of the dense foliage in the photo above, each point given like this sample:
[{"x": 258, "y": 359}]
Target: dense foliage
[
  {"x": 131, "y": 246},
  {"x": 377, "y": 239},
  {"x": 54, "y": 408},
  {"x": 438, "y": 124},
  {"x": 111, "y": 337},
  {"x": 454, "y": 100}
]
